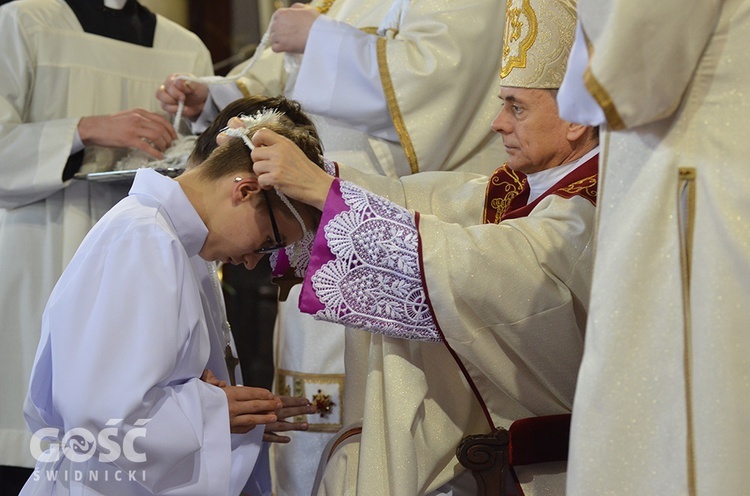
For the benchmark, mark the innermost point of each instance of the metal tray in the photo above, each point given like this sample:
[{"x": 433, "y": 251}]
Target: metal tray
[{"x": 123, "y": 175}]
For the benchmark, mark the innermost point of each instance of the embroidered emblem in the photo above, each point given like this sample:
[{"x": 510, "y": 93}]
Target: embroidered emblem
[
  {"x": 323, "y": 404},
  {"x": 585, "y": 187},
  {"x": 504, "y": 186},
  {"x": 520, "y": 33},
  {"x": 330, "y": 391}
]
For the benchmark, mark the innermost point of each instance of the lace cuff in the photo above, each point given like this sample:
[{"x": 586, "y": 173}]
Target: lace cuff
[
  {"x": 297, "y": 255},
  {"x": 364, "y": 270}
]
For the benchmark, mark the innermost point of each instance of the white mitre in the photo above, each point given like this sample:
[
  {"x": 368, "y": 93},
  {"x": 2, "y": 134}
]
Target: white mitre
[{"x": 538, "y": 37}]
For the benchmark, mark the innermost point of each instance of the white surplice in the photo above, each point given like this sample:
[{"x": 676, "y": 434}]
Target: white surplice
[
  {"x": 51, "y": 74},
  {"x": 125, "y": 339}
]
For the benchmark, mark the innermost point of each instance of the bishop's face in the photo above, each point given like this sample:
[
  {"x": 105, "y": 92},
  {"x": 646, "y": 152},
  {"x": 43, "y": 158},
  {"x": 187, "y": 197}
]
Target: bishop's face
[{"x": 534, "y": 136}]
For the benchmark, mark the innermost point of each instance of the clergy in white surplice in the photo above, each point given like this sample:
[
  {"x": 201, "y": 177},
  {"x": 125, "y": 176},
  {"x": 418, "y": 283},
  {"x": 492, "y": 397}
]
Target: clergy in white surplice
[
  {"x": 663, "y": 396},
  {"x": 474, "y": 289},
  {"x": 61, "y": 61}
]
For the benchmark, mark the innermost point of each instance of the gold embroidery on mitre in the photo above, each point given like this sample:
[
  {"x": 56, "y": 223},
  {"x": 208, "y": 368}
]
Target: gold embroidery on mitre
[
  {"x": 520, "y": 33},
  {"x": 508, "y": 189}
]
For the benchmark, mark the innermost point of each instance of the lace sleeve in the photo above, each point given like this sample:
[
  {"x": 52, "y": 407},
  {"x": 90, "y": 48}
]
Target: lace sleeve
[{"x": 373, "y": 280}]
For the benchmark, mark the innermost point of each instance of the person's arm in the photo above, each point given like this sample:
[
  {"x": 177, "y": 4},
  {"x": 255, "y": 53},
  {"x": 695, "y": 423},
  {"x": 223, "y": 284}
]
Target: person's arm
[
  {"x": 32, "y": 154},
  {"x": 636, "y": 45},
  {"x": 503, "y": 296},
  {"x": 406, "y": 81},
  {"x": 339, "y": 77}
]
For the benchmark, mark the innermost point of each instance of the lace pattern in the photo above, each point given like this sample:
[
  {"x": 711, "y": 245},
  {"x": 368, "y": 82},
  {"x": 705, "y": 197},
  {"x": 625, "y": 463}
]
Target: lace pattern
[
  {"x": 329, "y": 166},
  {"x": 374, "y": 282}
]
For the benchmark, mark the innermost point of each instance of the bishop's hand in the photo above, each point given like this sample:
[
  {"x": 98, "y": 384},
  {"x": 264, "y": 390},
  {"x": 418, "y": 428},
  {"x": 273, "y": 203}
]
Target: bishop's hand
[{"x": 280, "y": 164}]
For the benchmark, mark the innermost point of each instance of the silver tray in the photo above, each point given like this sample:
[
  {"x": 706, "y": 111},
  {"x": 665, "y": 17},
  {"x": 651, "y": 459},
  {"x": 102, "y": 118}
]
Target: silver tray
[{"x": 123, "y": 175}]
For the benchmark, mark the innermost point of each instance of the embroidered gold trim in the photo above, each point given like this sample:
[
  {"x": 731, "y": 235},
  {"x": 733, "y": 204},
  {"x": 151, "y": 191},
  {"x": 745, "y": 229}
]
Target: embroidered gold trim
[
  {"x": 299, "y": 380},
  {"x": 390, "y": 97},
  {"x": 513, "y": 27},
  {"x": 604, "y": 100},
  {"x": 686, "y": 219},
  {"x": 324, "y": 6},
  {"x": 585, "y": 188},
  {"x": 243, "y": 88},
  {"x": 512, "y": 189},
  {"x": 600, "y": 94}
]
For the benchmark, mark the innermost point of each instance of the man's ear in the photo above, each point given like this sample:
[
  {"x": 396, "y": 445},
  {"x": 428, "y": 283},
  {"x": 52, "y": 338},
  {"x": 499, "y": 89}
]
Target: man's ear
[
  {"x": 245, "y": 189},
  {"x": 575, "y": 131}
]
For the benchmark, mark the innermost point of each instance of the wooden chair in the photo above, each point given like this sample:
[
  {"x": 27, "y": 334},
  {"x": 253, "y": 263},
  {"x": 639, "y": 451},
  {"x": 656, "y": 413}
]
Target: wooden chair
[{"x": 491, "y": 456}]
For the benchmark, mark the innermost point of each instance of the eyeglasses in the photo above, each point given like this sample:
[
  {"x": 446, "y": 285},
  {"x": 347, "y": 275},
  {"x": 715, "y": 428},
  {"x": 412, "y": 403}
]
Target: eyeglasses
[{"x": 276, "y": 236}]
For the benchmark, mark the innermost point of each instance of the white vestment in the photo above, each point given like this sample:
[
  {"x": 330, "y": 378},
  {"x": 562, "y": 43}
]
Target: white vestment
[
  {"x": 51, "y": 74},
  {"x": 663, "y": 395},
  {"x": 420, "y": 97},
  {"x": 513, "y": 311},
  {"x": 125, "y": 339}
]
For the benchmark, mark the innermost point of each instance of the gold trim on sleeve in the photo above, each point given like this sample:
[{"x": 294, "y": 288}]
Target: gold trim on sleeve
[
  {"x": 243, "y": 88},
  {"x": 324, "y": 6},
  {"x": 600, "y": 94},
  {"x": 604, "y": 100},
  {"x": 390, "y": 97}
]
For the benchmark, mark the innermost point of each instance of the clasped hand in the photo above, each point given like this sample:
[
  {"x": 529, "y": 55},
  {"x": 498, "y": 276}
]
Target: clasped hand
[
  {"x": 175, "y": 89},
  {"x": 291, "y": 26},
  {"x": 251, "y": 406}
]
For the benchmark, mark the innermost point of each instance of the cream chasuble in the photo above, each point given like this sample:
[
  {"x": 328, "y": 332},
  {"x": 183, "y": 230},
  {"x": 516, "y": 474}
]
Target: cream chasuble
[
  {"x": 515, "y": 315},
  {"x": 663, "y": 394}
]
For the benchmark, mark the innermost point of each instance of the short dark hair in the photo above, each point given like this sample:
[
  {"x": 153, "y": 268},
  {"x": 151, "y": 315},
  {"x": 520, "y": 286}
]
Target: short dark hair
[
  {"x": 292, "y": 115},
  {"x": 235, "y": 156}
]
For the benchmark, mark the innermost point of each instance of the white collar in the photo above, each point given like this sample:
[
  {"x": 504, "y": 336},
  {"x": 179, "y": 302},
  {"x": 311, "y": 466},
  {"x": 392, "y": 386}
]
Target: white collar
[
  {"x": 115, "y": 4},
  {"x": 541, "y": 181}
]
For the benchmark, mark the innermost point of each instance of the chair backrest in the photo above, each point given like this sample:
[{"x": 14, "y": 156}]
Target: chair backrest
[{"x": 490, "y": 457}]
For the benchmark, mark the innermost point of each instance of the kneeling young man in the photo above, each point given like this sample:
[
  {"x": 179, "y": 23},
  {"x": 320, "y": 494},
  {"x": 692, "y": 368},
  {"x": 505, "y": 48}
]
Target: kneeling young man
[{"x": 117, "y": 401}]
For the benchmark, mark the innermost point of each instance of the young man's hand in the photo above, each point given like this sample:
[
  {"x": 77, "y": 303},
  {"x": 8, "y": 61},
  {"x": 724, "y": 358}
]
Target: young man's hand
[
  {"x": 248, "y": 406},
  {"x": 293, "y": 406}
]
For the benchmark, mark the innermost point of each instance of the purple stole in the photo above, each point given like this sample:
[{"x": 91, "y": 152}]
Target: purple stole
[{"x": 508, "y": 191}]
